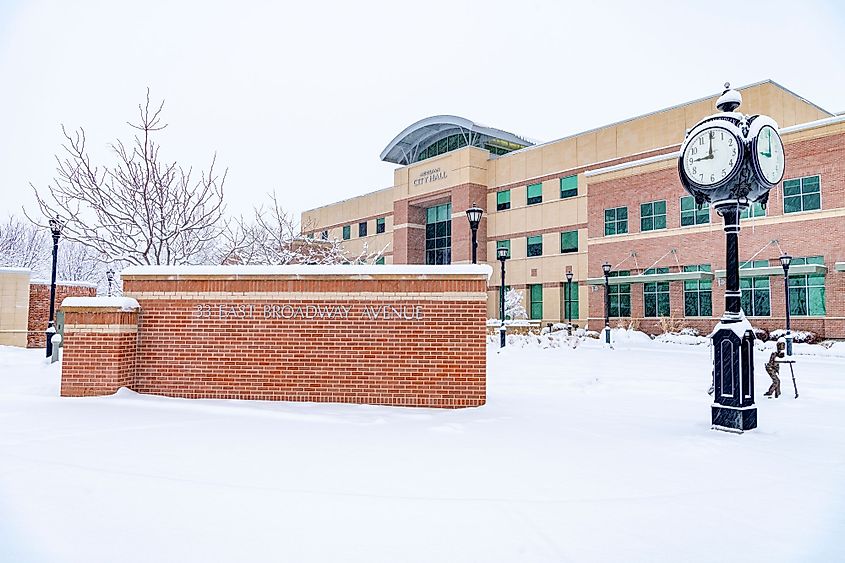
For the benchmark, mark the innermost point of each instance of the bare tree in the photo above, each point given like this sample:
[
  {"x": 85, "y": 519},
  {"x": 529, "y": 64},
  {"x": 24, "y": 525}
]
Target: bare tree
[
  {"x": 273, "y": 237},
  {"x": 25, "y": 245},
  {"x": 142, "y": 210},
  {"x": 22, "y": 244}
]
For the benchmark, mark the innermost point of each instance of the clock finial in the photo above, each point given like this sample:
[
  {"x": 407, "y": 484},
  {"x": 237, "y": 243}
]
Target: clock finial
[{"x": 729, "y": 100}]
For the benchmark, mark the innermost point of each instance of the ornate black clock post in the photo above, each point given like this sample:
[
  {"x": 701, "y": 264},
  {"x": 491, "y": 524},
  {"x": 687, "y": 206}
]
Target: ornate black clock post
[{"x": 729, "y": 160}]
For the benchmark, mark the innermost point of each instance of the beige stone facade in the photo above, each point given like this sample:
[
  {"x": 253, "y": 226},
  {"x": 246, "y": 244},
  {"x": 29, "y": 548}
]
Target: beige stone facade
[
  {"x": 621, "y": 150},
  {"x": 14, "y": 306}
]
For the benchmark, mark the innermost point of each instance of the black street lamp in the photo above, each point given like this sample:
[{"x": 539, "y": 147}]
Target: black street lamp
[
  {"x": 56, "y": 230},
  {"x": 110, "y": 278},
  {"x": 502, "y": 254},
  {"x": 474, "y": 214},
  {"x": 606, "y": 269},
  {"x": 569, "y": 300},
  {"x": 785, "y": 261}
]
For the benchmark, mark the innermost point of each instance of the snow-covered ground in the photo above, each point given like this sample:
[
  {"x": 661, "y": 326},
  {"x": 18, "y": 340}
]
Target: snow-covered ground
[{"x": 581, "y": 454}]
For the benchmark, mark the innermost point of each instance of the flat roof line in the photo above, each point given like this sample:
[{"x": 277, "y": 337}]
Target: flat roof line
[{"x": 676, "y": 106}]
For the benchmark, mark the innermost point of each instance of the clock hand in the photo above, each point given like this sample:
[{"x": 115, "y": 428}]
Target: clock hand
[
  {"x": 768, "y": 154},
  {"x": 710, "y": 154}
]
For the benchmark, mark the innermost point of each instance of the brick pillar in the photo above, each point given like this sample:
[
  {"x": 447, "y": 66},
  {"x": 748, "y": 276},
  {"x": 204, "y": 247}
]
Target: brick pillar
[
  {"x": 463, "y": 197},
  {"x": 408, "y": 233},
  {"x": 99, "y": 348}
]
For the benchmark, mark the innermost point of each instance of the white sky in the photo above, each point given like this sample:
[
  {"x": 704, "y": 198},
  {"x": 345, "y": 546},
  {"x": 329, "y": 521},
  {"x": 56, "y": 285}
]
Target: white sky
[{"x": 302, "y": 98}]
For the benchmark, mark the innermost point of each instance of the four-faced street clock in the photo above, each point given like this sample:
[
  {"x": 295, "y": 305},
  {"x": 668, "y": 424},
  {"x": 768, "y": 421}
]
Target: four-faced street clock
[
  {"x": 729, "y": 160},
  {"x": 731, "y": 156}
]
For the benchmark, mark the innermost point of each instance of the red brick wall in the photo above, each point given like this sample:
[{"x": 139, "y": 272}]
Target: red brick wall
[
  {"x": 800, "y": 234},
  {"x": 99, "y": 351},
  {"x": 39, "y": 308},
  {"x": 187, "y": 348}
]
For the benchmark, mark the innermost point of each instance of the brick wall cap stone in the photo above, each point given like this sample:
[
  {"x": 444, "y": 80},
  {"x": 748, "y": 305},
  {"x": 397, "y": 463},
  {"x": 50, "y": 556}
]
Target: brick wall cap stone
[
  {"x": 64, "y": 283},
  {"x": 351, "y": 271},
  {"x": 124, "y": 304}
]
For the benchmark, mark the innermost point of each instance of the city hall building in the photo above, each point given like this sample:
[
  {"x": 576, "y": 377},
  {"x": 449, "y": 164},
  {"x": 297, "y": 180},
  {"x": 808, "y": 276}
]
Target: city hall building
[{"x": 612, "y": 194}]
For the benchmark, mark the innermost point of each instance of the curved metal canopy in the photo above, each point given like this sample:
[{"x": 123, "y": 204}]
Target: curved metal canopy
[{"x": 408, "y": 145}]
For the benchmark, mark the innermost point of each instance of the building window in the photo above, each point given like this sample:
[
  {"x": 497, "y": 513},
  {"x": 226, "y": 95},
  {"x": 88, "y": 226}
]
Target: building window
[
  {"x": 380, "y": 261},
  {"x": 535, "y": 194},
  {"x": 753, "y": 210},
  {"x": 806, "y": 291},
  {"x": 802, "y": 194},
  {"x": 656, "y": 295},
  {"x": 615, "y": 221},
  {"x": 570, "y": 300},
  {"x": 653, "y": 216},
  {"x": 535, "y": 246},
  {"x": 362, "y": 229},
  {"x": 755, "y": 298},
  {"x": 698, "y": 294},
  {"x": 620, "y": 296},
  {"x": 380, "y": 225},
  {"x": 569, "y": 242},
  {"x": 504, "y": 244},
  {"x": 568, "y": 187},
  {"x": 503, "y": 200},
  {"x": 438, "y": 234},
  {"x": 536, "y": 300},
  {"x": 691, "y": 215},
  {"x": 347, "y": 232},
  {"x": 324, "y": 235}
]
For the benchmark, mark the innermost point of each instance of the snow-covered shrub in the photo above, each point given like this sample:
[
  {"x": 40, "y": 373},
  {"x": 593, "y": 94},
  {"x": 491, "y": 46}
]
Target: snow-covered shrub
[
  {"x": 689, "y": 331},
  {"x": 514, "y": 309},
  {"x": 682, "y": 338},
  {"x": 761, "y": 334},
  {"x": 802, "y": 336}
]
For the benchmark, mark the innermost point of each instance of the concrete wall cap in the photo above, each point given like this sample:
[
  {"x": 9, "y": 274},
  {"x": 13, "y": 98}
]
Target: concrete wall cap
[
  {"x": 127, "y": 304},
  {"x": 64, "y": 283},
  {"x": 352, "y": 271}
]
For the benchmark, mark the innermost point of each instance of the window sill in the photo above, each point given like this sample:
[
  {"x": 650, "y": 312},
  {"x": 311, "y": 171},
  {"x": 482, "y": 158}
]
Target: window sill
[{"x": 791, "y": 213}]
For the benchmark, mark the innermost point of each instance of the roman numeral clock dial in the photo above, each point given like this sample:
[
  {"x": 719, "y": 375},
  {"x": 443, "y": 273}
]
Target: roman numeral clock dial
[{"x": 711, "y": 156}]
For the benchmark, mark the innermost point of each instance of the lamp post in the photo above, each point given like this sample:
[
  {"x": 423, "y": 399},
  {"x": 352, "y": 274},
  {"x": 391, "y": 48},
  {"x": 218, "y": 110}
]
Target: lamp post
[
  {"x": 569, "y": 300},
  {"x": 474, "y": 214},
  {"x": 502, "y": 254},
  {"x": 606, "y": 269},
  {"x": 785, "y": 261},
  {"x": 56, "y": 230},
  {"x": 110, "y": 278}
]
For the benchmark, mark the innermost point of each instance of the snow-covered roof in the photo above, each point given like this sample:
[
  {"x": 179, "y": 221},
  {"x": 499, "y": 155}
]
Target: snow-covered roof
[
  {"x": 311, "y": 270},
  {"x": 403, "y": 149},
  {"x": 123, "y": 303},
  {"x": 10, "y": 270}
]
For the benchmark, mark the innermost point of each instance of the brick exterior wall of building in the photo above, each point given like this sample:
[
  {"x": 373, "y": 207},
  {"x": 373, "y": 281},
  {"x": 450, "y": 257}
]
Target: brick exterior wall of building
[
  {"x": 810, "y": 233},
  {"x": 304, "y": 338},
  {"x": 39, "y": 307}
]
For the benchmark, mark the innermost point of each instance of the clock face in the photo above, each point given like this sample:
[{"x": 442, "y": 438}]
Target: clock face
[
  {"x": 711, "y": 156},
  {"x": 769, "y": 154}
]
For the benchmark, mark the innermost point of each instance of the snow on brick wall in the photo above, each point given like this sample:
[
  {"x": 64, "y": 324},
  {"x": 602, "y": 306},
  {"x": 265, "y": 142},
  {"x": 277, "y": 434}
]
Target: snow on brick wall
[{"x": 411, "y": 340}]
